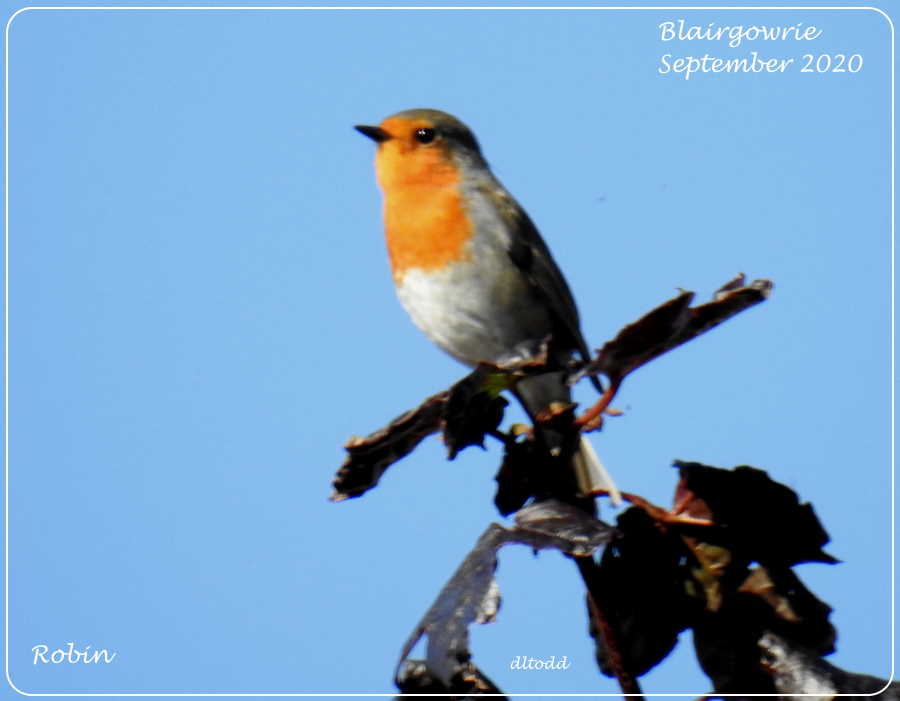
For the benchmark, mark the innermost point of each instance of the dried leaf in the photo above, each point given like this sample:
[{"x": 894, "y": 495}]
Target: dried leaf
[
  {"x": 759, "y": 583},
  {"x": 725, "y": 642},
  {"x": 555, "y": 524},
  {"x": 689, "y": 504},
  {"x": 713, "y": 562},
  {"x": 808, "y": 622},
  {"x": 756, "y": 519},
  {"x": 643, "y": 577},
  {"x": 764, "y": 520},
  {"x": 414, "y": 678},
  {"x": 471, "y": 595},
  {"x": 473, "y": 409},
  {"x": 515, "y": 477},
  {"x": 466, "y": 412},
  {"x": 797, "y": 670},
  {"x": 670, "y": 325},
  {"x": 369, "y": 457}
]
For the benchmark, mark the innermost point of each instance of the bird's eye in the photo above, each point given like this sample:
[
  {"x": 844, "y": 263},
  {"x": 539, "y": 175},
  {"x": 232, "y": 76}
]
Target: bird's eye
[{"x": 425, "y": 135}]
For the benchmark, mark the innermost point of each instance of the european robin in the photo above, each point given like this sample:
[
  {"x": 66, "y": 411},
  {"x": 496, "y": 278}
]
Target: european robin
[{"x": 469, "y": 265}]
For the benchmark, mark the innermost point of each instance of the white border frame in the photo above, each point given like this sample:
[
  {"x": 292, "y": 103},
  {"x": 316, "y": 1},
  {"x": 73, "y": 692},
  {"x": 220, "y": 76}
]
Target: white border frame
[{"x": 9, "y": 680}]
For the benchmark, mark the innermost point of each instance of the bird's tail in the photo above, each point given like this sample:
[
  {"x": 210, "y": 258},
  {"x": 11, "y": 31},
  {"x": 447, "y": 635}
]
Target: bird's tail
[
  {"x": 535, "y": 393},
  {"x": 591, "y": 474}
]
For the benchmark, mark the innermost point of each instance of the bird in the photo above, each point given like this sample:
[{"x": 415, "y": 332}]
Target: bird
[{"x": 470, "y": 267}]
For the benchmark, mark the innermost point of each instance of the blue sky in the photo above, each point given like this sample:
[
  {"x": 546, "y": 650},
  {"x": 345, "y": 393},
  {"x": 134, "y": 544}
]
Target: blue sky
[{"x": 201, "y": 313}]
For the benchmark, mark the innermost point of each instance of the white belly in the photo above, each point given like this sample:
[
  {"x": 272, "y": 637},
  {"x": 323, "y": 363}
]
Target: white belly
[{"x": 472, "y": 312}]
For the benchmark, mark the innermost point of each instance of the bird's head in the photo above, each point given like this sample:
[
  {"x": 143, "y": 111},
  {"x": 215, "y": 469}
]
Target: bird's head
[{"x": 422, "y": 147}]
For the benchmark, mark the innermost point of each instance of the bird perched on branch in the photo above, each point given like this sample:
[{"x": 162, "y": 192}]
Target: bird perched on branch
[{"x": 469, "y": 266}]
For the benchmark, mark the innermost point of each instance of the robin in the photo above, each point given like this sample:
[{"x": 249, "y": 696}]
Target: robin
[{"x": 469, "y": 265}]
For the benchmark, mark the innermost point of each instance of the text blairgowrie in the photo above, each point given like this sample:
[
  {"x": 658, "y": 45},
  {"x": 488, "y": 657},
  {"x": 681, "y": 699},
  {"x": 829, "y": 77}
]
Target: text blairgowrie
[{"x": 736, "y": 34}]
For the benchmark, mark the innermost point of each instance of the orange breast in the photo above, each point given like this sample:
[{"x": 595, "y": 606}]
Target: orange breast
[
  {"x": 425, "y": 229},
  {"x": 425, "y": 222}
]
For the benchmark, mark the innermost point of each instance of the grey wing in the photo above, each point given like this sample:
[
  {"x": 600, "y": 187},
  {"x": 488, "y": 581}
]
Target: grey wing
[{"x": 529, "y": 252}]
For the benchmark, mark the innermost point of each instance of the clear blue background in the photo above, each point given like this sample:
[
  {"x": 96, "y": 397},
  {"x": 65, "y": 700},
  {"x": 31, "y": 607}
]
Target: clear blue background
[{"x": 201, "y": 313}]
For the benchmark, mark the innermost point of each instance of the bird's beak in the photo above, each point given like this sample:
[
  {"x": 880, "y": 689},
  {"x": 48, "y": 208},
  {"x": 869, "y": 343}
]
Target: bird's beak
[{"x": 377, "y": 134}]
